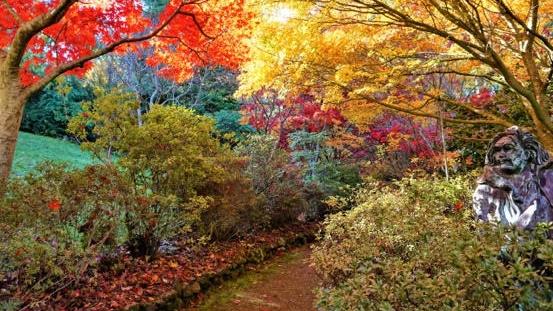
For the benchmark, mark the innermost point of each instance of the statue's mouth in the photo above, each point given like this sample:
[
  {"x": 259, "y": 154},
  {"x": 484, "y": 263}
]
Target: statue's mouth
[{"x": 505, "y": 162}]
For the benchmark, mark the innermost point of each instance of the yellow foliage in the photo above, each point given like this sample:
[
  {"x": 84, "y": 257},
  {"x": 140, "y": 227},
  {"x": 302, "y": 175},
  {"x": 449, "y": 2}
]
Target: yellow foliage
[{"x": 346, "y": 51}]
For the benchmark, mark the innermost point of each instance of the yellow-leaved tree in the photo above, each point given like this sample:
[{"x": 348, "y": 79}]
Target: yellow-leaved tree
[{"x": 485, "y": 62}]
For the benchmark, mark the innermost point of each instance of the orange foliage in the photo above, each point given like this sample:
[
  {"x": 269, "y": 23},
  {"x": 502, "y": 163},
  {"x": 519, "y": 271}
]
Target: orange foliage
[{"x": 202, "y": 31}]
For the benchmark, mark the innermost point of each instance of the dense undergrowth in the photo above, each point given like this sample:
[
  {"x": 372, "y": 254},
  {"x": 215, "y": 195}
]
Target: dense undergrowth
[
  {"x": 414, "y": 245},
  {"x": 172, "y": 178}
]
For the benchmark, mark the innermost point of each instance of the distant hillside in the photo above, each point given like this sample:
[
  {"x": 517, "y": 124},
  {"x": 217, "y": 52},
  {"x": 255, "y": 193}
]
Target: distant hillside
[{"x": 32, "y": 149}]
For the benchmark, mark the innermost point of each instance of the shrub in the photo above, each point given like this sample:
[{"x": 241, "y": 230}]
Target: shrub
[
  {"x": 56, "y": 224},
  {"x": 336, "y": 180},
  {"x": 105, "y": 122},
  {"x": 173, "y": 153},
  {"x": 414, "y": 246},
  {"x": 324, "y": 174},
  {"x": 233, "y": 211},
  {"x": 277, "y": 183},
  {"x": 151, "y": 219},
  {"x": 180, "y": 171},
  {"x": 176, "y": 153},
  {"x": 387, "y": 166}
]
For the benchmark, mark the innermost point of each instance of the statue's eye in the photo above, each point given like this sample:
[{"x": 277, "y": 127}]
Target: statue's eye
[{"x": 508, "y": 147}]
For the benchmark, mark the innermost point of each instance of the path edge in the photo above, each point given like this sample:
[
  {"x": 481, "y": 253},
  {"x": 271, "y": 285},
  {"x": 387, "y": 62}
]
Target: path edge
[{"x": 183, "y": 294}]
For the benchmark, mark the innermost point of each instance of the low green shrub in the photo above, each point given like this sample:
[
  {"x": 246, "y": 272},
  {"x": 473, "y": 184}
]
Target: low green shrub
[
  {"x": 414, "y": 245},
  {"x": 56, "y": 224}
]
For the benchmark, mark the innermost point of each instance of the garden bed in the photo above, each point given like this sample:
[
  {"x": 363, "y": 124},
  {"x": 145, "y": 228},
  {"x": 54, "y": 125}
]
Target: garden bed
[{"x": 173, "y": 280}]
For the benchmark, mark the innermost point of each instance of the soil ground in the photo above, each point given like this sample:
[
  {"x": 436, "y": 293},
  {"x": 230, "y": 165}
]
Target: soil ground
[{"x": 285, "y": 283}]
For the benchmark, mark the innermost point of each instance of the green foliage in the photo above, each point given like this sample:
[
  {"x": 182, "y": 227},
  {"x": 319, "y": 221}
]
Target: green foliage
[
  {"x": 49, "y": 112},
  {"x": 211, "y": 90},
  {"x": 324, "y": 174},
  {"x": 104, "y": 122},
  {"x": 320, "y": 162},
  {"x": 229, "y": 121},
  {"x": 173, "y": 152},
  {"x": 339, "y": 178},
  {"x": 309, "y": 149},
  {"x": 154, "y": 7},
  {"x": 414, "y": 246},
  {"x": 211, "y": 93}
]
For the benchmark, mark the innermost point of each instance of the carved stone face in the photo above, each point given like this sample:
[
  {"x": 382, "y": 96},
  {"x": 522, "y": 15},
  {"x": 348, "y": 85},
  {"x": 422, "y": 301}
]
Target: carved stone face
[{"x": 509, "y": 156}]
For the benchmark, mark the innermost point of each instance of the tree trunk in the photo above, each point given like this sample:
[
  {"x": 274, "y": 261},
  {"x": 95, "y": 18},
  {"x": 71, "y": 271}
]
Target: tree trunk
[
  {"x": 11, "y": 110},
  {"x": 540, "y": 129}
]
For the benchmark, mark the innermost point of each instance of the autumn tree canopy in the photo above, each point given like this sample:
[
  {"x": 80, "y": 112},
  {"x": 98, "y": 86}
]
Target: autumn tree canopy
[
  {"x": 40, "y": 40},
  {"x": 485, "y": 61}
]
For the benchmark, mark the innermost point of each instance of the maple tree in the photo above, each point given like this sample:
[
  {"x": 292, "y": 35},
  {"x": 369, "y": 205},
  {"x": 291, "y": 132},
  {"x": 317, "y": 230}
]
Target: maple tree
[
  {"x": 268, "y": 113},
  {"x": 420, "y": 57},
  {"x": 41, "y": 40}
]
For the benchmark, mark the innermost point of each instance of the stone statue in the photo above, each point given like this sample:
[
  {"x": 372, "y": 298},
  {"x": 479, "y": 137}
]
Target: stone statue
[{"x": 516, "y": 187}]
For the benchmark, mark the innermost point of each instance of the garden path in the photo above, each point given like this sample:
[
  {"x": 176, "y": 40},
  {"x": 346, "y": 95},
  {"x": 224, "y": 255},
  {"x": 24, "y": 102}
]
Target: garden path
[{"x": 284, "y": 283}]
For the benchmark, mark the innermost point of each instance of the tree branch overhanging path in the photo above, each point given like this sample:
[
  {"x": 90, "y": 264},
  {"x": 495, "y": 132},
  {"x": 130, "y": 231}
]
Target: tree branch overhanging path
[
  {"x": 427, "y": 48},
  {"x": 120, "y": 25},
  {"x": 468, "y": 16}
]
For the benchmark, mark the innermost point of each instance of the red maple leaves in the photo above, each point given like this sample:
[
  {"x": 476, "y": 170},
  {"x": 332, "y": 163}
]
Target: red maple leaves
[
  {"x": 268, "y": 113},
  {"x": 54, "y": 205},
  {"x": 200, "y": 32},
  {"x": 482, "y": 98}
]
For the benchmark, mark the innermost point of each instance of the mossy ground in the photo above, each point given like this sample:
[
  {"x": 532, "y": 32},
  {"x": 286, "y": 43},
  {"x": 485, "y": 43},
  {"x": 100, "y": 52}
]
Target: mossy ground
[{"x": 284, "y": 283}]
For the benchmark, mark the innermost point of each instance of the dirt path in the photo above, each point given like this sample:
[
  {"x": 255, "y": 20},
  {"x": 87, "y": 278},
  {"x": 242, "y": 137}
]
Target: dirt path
[{"x": 285, "y": 283}]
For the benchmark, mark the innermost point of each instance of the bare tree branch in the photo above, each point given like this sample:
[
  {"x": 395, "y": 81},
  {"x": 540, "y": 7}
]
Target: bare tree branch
[{"x": 492, "y": 121}]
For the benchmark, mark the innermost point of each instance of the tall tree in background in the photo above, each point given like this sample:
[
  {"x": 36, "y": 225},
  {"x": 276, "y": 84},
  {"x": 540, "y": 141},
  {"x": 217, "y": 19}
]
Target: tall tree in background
[
  {"x": 41, "y": 40},
  {"x": 409, "y": 55}
]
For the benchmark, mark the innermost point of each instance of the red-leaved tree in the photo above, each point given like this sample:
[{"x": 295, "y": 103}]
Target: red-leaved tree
[
  {"x": 269, "y": 114},
  {"x": 41, "y": 40}
]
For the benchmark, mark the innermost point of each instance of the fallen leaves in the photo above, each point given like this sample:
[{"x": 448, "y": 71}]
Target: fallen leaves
[
  {"x": 138, "y": 281},
  {"x": 173, "y": 264}
]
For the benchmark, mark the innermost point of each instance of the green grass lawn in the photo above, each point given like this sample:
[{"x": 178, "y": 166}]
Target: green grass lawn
[{"x": 32, "y": 149}]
